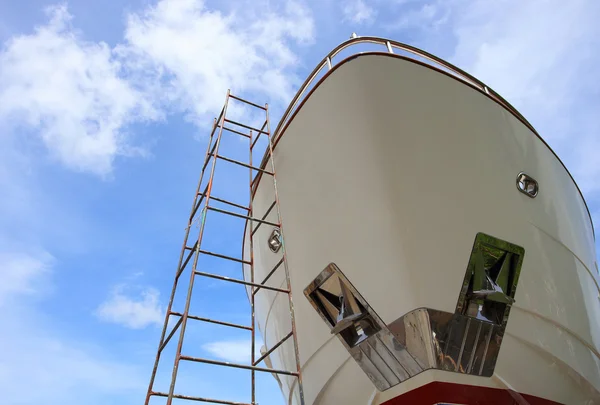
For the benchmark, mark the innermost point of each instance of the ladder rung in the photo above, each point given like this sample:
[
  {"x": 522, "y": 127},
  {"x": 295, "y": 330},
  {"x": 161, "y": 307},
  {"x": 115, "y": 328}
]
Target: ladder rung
[
  {"x": 197, "y": 318},
  {"x": 229, "y": 202},
  {"x": 236, "y": 132},
  {"x": 218, "y": 120},
  {"x": 254, "y": 142},
  {"x": 263, "y": 218},
  {"x": 206, "y": 252},
  {"x": 196, "y": 208},
  {"x": 187, "y": 259},
  {"x": 203, "y": 194},
  {"x": 244, "y": 164},
  {"x": 272, "y": 349},
  {"x": 258, "y": 136},
  {"x": 198, "y": 399},
  {"x": 268, "y": 276},
  {"x": 257, "y": 177},
  {"x": 212, "y": 152},
  {"x": 161, "y": 348},
  {"x": 262, "y": 128},
  {"x": 244, "y": 366},
  {"x": 260, "y": 131},
  {"x": 235, "y": 214},
  {"x": 238, "y": 281},
  {"x": 247, "y": 102}
]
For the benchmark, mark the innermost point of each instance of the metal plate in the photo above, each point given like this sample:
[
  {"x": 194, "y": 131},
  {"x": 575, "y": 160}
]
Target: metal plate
[{"x": 466, "y": 341}]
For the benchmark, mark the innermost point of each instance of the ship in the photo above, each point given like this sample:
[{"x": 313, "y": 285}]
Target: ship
[{"x": 439, "y": 251}]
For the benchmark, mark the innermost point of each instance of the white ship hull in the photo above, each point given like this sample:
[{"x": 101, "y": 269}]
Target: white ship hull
[{"x": 390, "y": 169}]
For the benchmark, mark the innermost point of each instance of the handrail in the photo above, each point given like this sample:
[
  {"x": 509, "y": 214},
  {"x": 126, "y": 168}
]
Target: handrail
[{"x": 390, "y": 45}]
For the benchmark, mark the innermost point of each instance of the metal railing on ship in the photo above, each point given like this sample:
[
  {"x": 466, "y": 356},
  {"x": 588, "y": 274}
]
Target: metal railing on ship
[{"x": 391, "y": 47}]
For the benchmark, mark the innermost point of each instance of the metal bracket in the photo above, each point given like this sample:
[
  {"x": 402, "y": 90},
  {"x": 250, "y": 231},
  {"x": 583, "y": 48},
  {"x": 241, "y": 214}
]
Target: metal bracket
[{"x": 466, "y": 341}]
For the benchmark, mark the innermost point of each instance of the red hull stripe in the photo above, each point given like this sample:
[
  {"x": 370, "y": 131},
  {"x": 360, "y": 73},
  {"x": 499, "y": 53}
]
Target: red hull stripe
[{"x": 449, "y": 393}]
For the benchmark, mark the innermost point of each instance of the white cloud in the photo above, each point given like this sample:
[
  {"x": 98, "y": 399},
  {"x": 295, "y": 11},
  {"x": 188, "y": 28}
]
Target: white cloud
[
  {"x": 71, "y": 92},
  {"x": 197, "y": 54},
  {"x": 357, "y": 11},
  {"x": 235, "y": 351},
  {"x": 22, "y": 274},
  {"x": 136, "y": 312},
  {"x": 80, "y": 97}
]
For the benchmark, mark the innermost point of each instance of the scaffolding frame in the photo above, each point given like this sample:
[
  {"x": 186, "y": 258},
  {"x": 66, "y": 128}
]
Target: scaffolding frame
[{"x": 222, "y": 123}]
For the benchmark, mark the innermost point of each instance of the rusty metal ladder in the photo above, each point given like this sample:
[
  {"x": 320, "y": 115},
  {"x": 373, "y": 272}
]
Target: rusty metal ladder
[{"x": 191, "y": 253}]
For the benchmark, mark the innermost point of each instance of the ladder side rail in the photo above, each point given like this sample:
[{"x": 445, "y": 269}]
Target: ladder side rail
[
  {"x": 193, "y": 272},
  {"x": 252, "y": 300},
  {"x": 175, "y": 282}
]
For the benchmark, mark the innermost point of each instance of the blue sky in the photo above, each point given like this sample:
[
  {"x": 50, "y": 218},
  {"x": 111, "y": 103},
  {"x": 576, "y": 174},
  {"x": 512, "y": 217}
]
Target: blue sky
[{"x": 104, "y": 111}]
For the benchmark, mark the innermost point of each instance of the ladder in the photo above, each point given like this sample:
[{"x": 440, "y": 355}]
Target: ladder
[{"x": 192, "y": 249}]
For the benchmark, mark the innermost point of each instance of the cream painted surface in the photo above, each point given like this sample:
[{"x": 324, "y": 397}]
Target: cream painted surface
[{"x": 389, "y": 170}]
